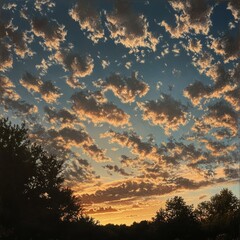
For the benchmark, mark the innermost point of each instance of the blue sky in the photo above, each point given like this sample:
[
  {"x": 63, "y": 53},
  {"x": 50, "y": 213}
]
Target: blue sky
[{"x": 140, "y": 98}]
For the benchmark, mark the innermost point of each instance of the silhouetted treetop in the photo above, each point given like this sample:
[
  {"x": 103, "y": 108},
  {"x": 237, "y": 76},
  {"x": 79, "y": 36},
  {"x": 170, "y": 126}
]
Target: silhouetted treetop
[{"x": 32, "y": 194}]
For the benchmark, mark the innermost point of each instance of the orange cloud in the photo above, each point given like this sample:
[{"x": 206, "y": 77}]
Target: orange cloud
[
  {"x": 94, "y": 106},
  {"x": 125, "y": 88},
  {"x": 89, "y": 19},
  {"x": 48, "y": 91},
  {"x": 130, "y": 29},
  {"x": 166, "y": 112},
  {"x": 191, "y": 16},
  {"x": 52, "y": 32}
]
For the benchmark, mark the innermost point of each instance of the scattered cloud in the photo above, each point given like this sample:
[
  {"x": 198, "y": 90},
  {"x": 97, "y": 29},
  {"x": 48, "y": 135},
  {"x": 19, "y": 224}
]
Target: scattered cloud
[
  {"x": 7, "y": 89},
  {"x": 221, "y": 115},
  {"x": 77, "y": 65},
  {"x": 165, "y": 112},
  {"x": 227, "y": 46},
  {"x": 89, "y": 19},
  {"x": 125, "y": 88},
  {"x": 70, "y": 137},
  {"x": 101, "y": 210},
  {"x": 95, "y": 107},
  {"x": 129, "y": 28},
  {"x": 116, "y": 169},
  {"x": 61, "y": 116},
  {"x": 48, "y": 91},
  {"x": 52, "y": 33},
  {"x": 192, "y": 16}
]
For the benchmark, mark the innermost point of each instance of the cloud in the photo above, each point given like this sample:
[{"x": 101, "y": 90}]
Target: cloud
[
  {"x": 43, "y": 66},
  {"x": 13, "y": 40},
  {"x": 129, "y": 28},
  {"x": 101, "y": 210},
  {"x": 203, "y": 62},
  {"x": 20, "y": 42},
  {"x": 227, "y": 46},
  {"x": 95, "y": 107},
  {"x": 218, "y": 148},
  {"x": 78, "y": 170},
  {"x": 48, "y": 91},
  {"x": 69, "y": 137},
  {"x": 165, "y": 112},
  {"x": 182, "y": 182},
  {"x": 202, "y": 196},
  {"x": 7, "y": 89},
  {"x": 126, "y": 189},
  {"x": 105, "y": 64},
  {"x": 77, "y": 65},
  {"x": 89, "y": 19},
  {"x": 9, "y": 6},
  {"x": 192, "y": 15},
  {"x": 10, "y": 100},
  {"x": 117, "y": 169},
  {"x": 125, "y": 88},
  {"x": 194, "y": 45},
  {"x": 196, "y": 92},
  {"x": 130, "y": 189},
  {"x": 51, "y": 31},
  {"x": 6, "y": 61},
  {"x": 233, "y": 98},
  {"x": 39, "y": 4},
  {"x": 232, "y": 173},
  {"x": 61, "y": 116},
  {"x": 224, "y": 86},
  {"x": 221, "y": 115},
  {"x": 234, "y": 7},
  {"x": 75, "y": 169},
  {"x": 20, "y": 107},
  {"x": 133, "y": 141}
]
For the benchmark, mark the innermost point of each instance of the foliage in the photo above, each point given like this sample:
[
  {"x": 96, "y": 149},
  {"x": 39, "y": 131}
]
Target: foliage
[
  {"x": 32, "y": 195},
  {"x": 221, "y": 214}
]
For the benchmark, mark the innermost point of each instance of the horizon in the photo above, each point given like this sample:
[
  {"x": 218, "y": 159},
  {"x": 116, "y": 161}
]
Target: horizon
[{"x": 141, "y": 99}]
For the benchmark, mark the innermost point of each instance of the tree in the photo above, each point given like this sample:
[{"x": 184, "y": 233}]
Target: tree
[
  {"x": 32, "y": 196},
  {"x": 176, "y": 220},
  {"x": 220, "y": 214},
  {"x": 176, "y": 210}
]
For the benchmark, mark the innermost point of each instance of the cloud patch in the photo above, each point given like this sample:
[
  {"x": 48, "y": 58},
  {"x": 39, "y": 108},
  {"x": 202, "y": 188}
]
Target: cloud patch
[
  {"x": 89, "y": 19},
  {"x": 77, "y": 65},
  {"x": 192, "y": 16},
  {"x": 95, "y": 107},
  {"x": 165, "y": 112},
  {"x": 125, "y": 88},
  {"x": 69, "y": 137},
  {"x": 129, "y": 28},
  {"x": 47, "y": 90},
  {"x": 52, "y": 33}
]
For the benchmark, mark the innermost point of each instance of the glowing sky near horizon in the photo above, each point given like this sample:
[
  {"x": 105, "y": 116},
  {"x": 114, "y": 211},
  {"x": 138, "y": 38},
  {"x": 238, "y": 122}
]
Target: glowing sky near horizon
[{"x": 140, "y": 98}]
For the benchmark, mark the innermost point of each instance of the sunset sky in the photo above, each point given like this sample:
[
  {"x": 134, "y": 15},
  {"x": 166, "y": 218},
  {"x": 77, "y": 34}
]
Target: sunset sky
[{"x": 140, "y": 98}]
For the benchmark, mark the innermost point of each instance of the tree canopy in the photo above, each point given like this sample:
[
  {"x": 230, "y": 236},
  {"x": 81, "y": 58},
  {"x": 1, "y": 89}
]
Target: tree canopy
[{"x": 32, "y": 194}]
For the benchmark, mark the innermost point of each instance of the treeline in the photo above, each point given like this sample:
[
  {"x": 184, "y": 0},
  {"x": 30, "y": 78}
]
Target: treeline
[{"x": 34, "y": 204}]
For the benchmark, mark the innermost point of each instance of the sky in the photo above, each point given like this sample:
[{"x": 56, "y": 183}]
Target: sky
[{"x": 141, "y": 99}]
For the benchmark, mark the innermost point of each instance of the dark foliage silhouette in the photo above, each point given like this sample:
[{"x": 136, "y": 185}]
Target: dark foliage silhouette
[
  {"x": 34, "y": 204},
  {"x": 176, "y": 220},
  {"x": 220, "y": 215},
  {"x": 32, "y": 198}
]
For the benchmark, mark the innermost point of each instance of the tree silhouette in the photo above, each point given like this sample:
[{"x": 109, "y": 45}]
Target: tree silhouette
[
  {"x": 221, "y": 214},
  {"x": 32, "y": 196},
  {"x": 176, "y": 220}
]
